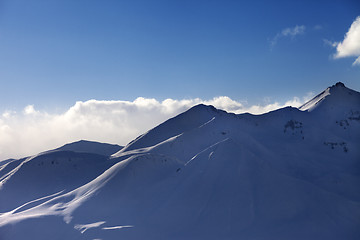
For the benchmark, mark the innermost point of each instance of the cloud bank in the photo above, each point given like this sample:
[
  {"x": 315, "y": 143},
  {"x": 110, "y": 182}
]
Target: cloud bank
[
  {"x": 350, "y": 46},
  {"x": 288, "y": 32},
  {"x": 32, "y": 131}
]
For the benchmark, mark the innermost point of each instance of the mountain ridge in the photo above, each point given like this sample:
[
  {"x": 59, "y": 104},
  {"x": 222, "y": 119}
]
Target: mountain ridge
[{"x": 207, "y": 174}]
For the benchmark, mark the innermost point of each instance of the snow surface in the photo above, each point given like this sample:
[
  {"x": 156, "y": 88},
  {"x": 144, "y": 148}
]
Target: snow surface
[
  {"x": 204, "y": 174},
  {"x": 310, "y": 105},
  {"x": 91, "y": 147}
]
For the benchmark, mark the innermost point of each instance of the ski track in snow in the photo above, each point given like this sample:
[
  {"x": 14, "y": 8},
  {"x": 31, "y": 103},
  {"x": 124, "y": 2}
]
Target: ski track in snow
[
  {"x": 117, "y": 227},
  {"x": 205, "y": 150},
  {"x": 84, "y": 227}
]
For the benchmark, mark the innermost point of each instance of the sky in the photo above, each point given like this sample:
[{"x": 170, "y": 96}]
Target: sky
[{"x": 111, "y": 70}]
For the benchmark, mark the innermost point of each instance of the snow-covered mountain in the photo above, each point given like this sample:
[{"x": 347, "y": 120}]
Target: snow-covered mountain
[
  {"x": 84, "y": 146},
  {"x": 204, "y": 174}
]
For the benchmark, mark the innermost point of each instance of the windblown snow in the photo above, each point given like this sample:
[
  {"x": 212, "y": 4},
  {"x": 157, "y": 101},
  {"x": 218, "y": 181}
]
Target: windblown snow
[{"x": 204, "y": 174}]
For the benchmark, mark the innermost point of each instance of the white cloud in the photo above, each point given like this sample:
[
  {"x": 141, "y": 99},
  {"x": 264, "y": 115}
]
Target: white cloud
[
  {"x": 288, "y": 32},
  {"x": 350, "y": 46},
  {"x": 28, "y": 110},
  {"x": 7, "y": 114},
  {"x": 330, "y": 43},
  {"x": 293, "y": 31},
  {"x": 318, "y": 27},
  {"x": 31, "y": 131}
]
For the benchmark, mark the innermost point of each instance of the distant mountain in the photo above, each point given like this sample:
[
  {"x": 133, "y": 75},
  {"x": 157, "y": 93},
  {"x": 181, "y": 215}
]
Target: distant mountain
[
  {"x": 204, "y": 174},
  {"x": 91, "y": 147},
  {"x": 82, "y": 146},
  {"x": 334, "y": 98}
]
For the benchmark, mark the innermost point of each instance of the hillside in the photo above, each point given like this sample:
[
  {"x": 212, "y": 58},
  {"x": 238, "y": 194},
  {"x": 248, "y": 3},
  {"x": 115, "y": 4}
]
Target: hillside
[{"x": 204, "y": 174}]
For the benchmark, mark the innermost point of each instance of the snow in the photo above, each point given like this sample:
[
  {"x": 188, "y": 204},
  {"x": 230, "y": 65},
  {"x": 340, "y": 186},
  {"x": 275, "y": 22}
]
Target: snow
[
  {"x": 45, "y": 174},
  {"x": 91, "y": 147},
  {"x": 204, "y": 174},
  {"x": 84, "y": 227},
  {"x": 310, "y": 105},
  {"x": 117, "y": 227}
]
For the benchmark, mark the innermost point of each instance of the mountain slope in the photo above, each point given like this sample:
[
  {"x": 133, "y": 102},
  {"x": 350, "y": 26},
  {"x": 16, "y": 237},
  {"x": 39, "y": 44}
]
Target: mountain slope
[
  {"x": 91, "y": 147},
  {"x": 46, "y": 174},
  {"x": 204, "y": 174}
]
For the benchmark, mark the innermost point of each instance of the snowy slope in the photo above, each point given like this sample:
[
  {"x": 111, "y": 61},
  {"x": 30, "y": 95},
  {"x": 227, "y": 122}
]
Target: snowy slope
[
  {"x": 204, "y": 174},
  {"x": 46, "y": 174},
  {"x": 188, "y": 120},
  {"x": 91, "y": 147}
]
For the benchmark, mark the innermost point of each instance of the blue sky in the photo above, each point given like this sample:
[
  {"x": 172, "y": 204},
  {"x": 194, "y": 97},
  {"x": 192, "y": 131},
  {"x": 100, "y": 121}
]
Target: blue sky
[
  {"x": 54, "y": 53},
  {"x": 110, "y": 70}
]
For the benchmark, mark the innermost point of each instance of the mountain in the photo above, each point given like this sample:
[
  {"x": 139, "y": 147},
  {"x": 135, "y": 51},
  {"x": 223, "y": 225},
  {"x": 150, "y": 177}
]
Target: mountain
[
  {"x": 82, "y": 146},
  {"x": 204, "y": 174},
  {"x": 91, "y": 147}
]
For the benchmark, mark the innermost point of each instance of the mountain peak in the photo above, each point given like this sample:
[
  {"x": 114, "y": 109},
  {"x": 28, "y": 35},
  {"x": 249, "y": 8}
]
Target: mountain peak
[
  {"x": 339, "y": 84},
  {"x": 105, "y": 149},
  {"x": 336, "y": 95},
  {"x": 202, "y": 107},
  {"x": 190, "y": 119}
]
